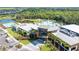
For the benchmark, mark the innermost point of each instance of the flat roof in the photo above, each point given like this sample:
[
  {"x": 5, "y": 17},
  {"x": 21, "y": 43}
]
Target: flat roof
[
  {"x": 66, "y": 38},
  {"x": 28, "y": 27},
  {"x": 72, "y": 27},
  {"x": 49, "y": 25},
  {"x": 52, "y": 28}
]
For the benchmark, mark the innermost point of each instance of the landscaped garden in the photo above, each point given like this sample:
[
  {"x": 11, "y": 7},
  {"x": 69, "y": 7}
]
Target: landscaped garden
[
  {"x": 29, "y": 21},
  {"x": 19, "y": 37},
  {"x": 7, "y": 16},
  {"x": 61, "y": 42},
  {"x": 48, "y": 47}
]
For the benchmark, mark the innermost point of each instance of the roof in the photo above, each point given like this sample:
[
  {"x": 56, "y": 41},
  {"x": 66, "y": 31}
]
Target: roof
[
  {"x": 44, "y": 26},
  {"x": 50, "y": 25},
  {"x": 66, "y": 38},
  {"x": 52, "y": 28},
  {"x": 72, "y": 27},
  {"x": 28, "y": 27}
]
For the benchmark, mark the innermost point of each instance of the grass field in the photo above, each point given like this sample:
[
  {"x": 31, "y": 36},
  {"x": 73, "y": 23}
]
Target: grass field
[{"x": 25, "y": 42}]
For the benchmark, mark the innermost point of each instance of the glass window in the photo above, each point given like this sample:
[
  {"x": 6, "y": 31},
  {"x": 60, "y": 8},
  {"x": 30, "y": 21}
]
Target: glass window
[
  {"x": 73, "y": 48},
  {"x": 67, "y": 48},
  {"x": 77, "y": 34}
]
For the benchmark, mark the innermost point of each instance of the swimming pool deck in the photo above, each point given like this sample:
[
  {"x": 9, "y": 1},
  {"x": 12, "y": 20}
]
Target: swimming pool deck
[{"x": 9, "y": 24}]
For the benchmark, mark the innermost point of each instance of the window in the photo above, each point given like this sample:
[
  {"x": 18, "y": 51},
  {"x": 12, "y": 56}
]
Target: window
[
  {"x": 53, "y": 42},
  {"x": 56, "y": 44},
  {"x": 77, "y": 34},
  {"x": 73, "y": 48},
  {"x": 65, "y": 31},
  {"x": 61, "y": 48},
  {"x": 72, "y": 34},
  {"x": 67, "y": 48},
  {"x": 50, "y": 39}
]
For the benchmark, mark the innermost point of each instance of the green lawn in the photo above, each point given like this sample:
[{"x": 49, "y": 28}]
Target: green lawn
[
  {"x": 25, "y": 42},
  {"x": 18, "y": 36},
  {"x": 35, "y": 20},
  {"x": 14, "y": 34},
  {"x": 30, "y": 20},
  {"x": 45, "y": 47}
]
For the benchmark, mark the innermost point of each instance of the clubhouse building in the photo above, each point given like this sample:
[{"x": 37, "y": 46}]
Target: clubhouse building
[{"x": 66, "y": 38}]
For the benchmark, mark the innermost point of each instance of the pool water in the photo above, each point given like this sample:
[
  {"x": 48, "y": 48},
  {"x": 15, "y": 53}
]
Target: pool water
[
  {"x": 38, "y": 41},
  {"x": 6, "y": 21}
]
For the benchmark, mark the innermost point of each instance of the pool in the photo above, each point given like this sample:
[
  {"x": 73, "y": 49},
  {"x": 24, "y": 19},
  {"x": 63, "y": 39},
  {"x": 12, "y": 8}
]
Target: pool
[
  {"x": 38, "y": 41},
  {"x": 3, "y": 21},
  {"x": 8, "y": 24}
]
